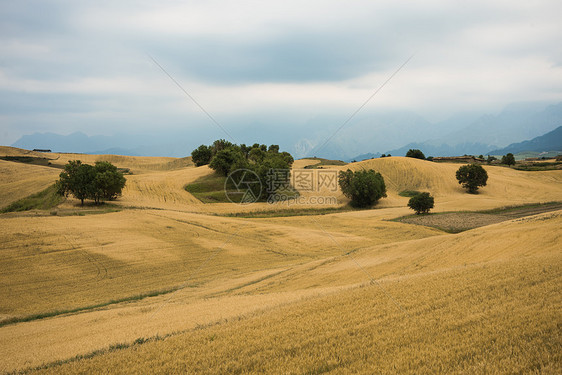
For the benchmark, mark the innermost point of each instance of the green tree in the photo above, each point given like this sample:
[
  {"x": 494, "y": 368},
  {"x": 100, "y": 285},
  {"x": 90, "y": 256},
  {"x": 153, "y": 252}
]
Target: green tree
[
  {"x": 364, "y": 188},
  {"x": 256, "y": 155},
  {"x": 471, "y": 177},
  {"x": 288, "y": 158},
  {"x": 109, "y": 182},
  {"x": 274, "y": 149},
  {"x": 272, "y": 162},
  {"x": 219, "y": 145},
  {"x": 202, "y": 155},
  {"x": 508, "y": 159},
  {"x": 421, "y": 203},
  {"x": 77, "y": 179},
  {"x": 415, "y": 153},
  {"x": 228, "y": 160}
]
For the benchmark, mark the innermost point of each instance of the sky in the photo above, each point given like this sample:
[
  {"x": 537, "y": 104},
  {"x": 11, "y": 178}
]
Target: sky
[{"x": 104, "y": 67}]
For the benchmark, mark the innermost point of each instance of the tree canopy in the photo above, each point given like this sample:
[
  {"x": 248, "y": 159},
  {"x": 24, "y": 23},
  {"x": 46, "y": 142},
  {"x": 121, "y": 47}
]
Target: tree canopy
[
  {"x": 421, "y": 203},
  {"x": 471, "y": 177},
  {"x": 364, "y": 188},
  {"x": 508, "y": 159},
  {"x": 415, "y": 153},
  {"x": 202, "y": 155}
]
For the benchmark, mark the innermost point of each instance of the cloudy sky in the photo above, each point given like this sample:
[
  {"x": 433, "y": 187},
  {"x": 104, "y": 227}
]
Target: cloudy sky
[{"x": 69, "y": 66}]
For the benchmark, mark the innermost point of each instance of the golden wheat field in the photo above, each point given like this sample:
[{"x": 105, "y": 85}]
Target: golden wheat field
[{"x": 162, "y": 283}]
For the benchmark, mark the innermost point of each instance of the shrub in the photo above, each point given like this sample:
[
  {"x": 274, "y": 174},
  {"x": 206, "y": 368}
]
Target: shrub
[
  {"x": 415, "y": 153},
  {"x": 471, "y": 177},
  {"x": 364, "y": 188},
  {"x": 421, "y": 203}
]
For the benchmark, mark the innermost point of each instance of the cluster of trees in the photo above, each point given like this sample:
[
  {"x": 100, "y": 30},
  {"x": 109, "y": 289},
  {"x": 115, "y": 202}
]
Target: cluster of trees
[
  {"x": 508, "y": 159},
  {"x": 364, "y": 188},
  {"x": 415, "y": 153},
  {"x": 226, "y": 157},
  {"x": 102, "y": 181}
]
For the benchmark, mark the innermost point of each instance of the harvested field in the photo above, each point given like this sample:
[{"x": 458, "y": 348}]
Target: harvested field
[
  {"x": 158, "y": 281},
  {"x": 455, "y": 222}
]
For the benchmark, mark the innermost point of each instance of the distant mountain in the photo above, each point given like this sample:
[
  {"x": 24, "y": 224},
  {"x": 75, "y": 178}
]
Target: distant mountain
[
  {"x": 478, "y": 136},
  {"x": 329, "y": 135},
  {"x": 78, "y": 142},
  {"x": 75, "y": 142},
  {"x": 551, "y": 141},
  {"x": 515, "y": 123}
]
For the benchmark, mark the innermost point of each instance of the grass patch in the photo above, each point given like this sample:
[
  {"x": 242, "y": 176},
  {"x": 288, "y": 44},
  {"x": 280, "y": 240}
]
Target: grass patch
[
  {"x": 44, "y": 200},
  {"x": 214, "y": 189},
  {"x": 408, "y": 193},
  {"x": 539, "y": 166},
  {"x": 208, "y": 189},
  {"x": 50, "y": 314}
]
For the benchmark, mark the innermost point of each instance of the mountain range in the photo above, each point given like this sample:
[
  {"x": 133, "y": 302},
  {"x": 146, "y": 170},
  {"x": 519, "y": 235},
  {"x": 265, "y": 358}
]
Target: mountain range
[
  {"x": 370, "y": 133},
  {"x": 551, "y": 141}
]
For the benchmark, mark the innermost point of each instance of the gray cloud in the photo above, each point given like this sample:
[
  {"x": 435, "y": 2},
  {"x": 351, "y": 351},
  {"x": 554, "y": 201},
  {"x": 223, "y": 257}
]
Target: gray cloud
[{"x": 78, "y": 64}]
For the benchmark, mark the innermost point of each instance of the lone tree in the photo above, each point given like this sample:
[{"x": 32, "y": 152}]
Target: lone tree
[
  {"x": 364, "y": 188},
  {"x": 415, "y": 153},
  {"x": 471, "y": 177},
  {"x": 508, "y": 159},
  {"x": 84, "y": 181},
  {"x": 421, "y": 203}
]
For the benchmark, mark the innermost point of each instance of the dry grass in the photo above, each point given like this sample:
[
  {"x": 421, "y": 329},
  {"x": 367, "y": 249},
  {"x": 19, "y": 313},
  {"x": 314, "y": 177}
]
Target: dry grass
[
  {"x": 490, "y": 316},
  {"x": 137, "y": 164},
  {"x": 285, "y": 291},
  {"x": 21, "y": 180}
]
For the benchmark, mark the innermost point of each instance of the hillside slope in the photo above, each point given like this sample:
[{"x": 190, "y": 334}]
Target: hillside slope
[
  {"x": 484, "y": 301},
  {"x": 19, "y": 180}
]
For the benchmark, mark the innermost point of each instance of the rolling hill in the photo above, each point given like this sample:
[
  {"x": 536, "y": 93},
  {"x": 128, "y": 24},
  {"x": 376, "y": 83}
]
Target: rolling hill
[{"x": 164, "y": 283}]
